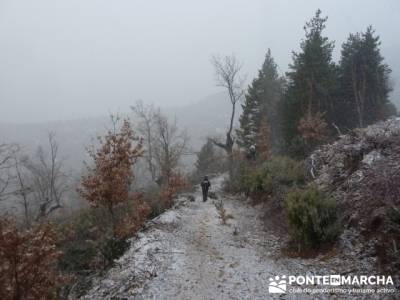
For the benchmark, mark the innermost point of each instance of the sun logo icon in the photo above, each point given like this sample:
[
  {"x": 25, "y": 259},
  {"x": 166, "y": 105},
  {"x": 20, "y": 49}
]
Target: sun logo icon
[{"x": 277, "y": 285}]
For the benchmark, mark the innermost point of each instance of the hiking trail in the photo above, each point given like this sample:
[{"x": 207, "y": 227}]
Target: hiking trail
[{"x": 187, "y": 253}]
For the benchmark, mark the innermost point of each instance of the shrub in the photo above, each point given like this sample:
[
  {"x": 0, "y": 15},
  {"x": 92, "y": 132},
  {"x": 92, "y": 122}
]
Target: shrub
[
  {"x": 88, "y": 240},
  {"x": 297, "y": 148},
  {"x": 311, "y": 216},
  {"x": 152, "y": 198},
  {"x": 113, "y": 248},
  {"x": 272, "y": 178},
  {"x": 222, "y": 212},
  {"x": 313, "y": 129},
  {"x": 160, "y": 198},
  {"x": 77, "y": 241},
  {"x": 28, "y": 260},
  {"x": 107, "y": 183},
  {"x": 89, "y": 245},
  {"x": 240, "y": 167},
  {"x": 170, "y": 189}
]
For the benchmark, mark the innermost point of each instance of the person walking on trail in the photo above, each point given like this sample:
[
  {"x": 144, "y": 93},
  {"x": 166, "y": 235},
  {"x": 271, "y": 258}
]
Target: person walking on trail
[{"x": 205, "y": 186}]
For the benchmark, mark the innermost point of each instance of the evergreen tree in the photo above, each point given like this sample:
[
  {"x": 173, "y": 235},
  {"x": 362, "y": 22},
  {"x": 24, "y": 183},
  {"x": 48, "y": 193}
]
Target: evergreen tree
[
  {"x": 364, "y": 80},
  {"x": 264, "y": 140},
  {"x": 311, "y": 85},
  {"x": 208, "y": 160},
  {"x": 261, "y": 100}
]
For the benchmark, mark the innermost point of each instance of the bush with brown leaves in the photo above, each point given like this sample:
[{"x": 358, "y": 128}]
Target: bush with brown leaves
[
  {"x": 108, "y": 182},
  {"x": 169, "y": 190},
  {"x": 28, "y": 260},
  {"x": 313, "y": 128},
  {"x": 133, "y": 216}
]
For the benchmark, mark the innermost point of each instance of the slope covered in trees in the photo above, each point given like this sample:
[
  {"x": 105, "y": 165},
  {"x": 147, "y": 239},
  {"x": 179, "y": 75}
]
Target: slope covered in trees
[
  {"x": 319, "y": 98},
  {"x": 52, "y": 252}
]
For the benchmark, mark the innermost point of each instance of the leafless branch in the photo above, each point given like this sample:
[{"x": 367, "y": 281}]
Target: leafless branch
[
  {"x": 227, "y": 71},
  {"x": 6, "y": 165},
  {"x": 146, "y": 117},
  {"x": 48, "y": 180}
]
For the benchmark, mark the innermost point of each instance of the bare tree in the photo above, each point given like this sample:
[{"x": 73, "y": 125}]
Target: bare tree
[
  {"x": 48, "y": 181},
  {"x": 146, "y": 127},
  {"x": 164, "y": 143},
  {"x": 227, "y": 71},
  {"x": 13, "y": 177},
  {"x": 169, "y": 145},
  {"x": 22, "y": 185},
  {"x": 6, "y": 165}
]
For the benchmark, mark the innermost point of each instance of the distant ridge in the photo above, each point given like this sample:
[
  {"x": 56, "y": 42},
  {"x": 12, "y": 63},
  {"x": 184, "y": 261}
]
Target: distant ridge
[{"x": 207, "y": 117}]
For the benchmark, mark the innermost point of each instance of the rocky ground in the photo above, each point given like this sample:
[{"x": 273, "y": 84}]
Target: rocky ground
[
  {"x": 362, "y": 171},
  {"x": 187, "y": 253}
]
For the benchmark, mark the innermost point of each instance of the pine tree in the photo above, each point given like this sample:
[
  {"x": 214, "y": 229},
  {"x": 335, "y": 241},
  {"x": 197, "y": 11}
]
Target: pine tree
[
  {"x": 364, "y": 80},
  {"x": 311, "y": 83},
  {"x": 208, "y": 160},
  {"x": 261, "y": 100},
  {"x": 263, "y": 138}
]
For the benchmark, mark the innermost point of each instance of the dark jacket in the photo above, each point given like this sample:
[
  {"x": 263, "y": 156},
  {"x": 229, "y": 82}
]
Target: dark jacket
[{"x": 205, "y": 185}]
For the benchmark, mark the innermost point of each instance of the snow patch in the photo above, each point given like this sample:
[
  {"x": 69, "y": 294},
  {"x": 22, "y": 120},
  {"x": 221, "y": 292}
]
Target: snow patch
[
  {"x": 169, "y": 217},
  {"x": 371, "y": 157}
]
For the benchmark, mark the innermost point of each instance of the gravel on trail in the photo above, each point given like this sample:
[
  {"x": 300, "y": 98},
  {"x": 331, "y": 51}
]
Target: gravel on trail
[{"x": 187, "y": 253}]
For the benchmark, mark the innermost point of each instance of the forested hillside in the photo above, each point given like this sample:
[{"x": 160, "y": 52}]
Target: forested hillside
[{"x": 290, "y": 173}]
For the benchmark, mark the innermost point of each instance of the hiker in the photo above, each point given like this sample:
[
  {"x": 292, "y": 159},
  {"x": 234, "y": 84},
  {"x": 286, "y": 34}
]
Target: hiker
[{"x": 205, "y": 185}]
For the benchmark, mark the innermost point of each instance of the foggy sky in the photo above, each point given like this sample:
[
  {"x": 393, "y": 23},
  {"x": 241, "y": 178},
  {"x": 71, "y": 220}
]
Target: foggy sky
[{"x": 63, "y": 59}]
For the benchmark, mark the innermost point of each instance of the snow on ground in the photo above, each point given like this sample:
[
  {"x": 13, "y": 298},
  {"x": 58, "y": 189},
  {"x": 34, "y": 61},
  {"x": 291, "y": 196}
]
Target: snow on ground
[{"x": 186, "y": 253}]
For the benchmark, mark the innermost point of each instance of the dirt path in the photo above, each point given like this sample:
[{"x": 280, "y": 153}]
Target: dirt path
[
  {"x": 186, "y": 253},
  {"x": 210, "y": 261}
]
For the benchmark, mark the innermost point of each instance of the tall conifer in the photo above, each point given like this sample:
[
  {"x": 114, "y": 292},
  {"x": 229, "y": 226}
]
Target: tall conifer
[{"x": 261, "y": 100}]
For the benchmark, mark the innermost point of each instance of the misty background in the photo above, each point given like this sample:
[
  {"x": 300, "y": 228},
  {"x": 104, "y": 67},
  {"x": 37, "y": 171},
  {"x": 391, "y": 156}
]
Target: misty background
[
  {"x": 66, "y": 65},
  {"x": 73, "y": 59}
]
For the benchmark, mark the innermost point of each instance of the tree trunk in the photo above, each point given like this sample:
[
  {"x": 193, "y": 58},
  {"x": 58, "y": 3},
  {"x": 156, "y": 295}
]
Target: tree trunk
[
  {"x": 113, "y": 220},
  {"x": 357, "y": 98}
]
